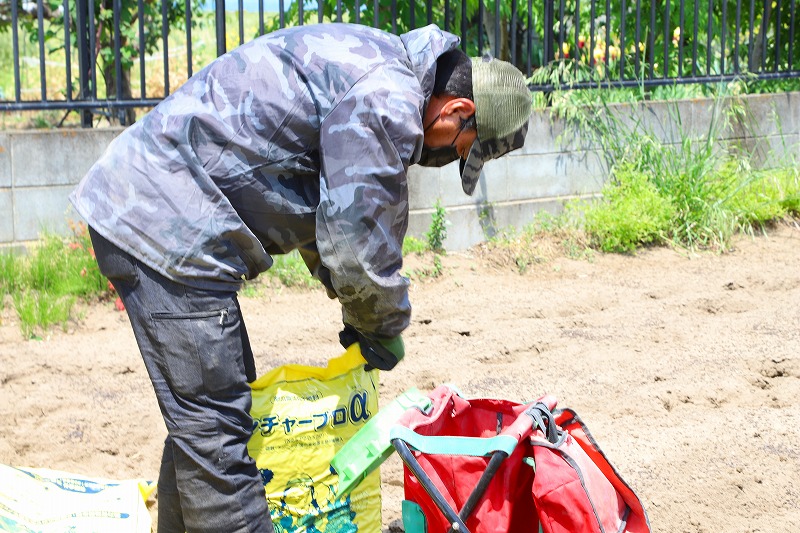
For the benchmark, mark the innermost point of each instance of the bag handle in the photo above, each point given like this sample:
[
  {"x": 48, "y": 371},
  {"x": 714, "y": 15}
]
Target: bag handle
[
  {"x": 469, "y": 446},
  {"x": 544, "y": 420},
  {"x": 506, "y": 441}
]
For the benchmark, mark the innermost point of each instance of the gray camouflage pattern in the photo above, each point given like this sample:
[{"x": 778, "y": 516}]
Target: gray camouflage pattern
[
  {"x": 481, "y": 151},
  {"x": 299, "y": 139}
]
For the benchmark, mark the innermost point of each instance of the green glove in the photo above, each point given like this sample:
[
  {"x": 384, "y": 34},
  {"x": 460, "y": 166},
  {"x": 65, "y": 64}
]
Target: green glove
[
  {"x": 383, "y": 354},
  {"x": 380, "y": 353}
]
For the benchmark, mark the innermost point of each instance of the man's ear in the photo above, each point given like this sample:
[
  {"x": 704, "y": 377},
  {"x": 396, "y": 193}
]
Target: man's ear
[{"x": 463, "y": 108}]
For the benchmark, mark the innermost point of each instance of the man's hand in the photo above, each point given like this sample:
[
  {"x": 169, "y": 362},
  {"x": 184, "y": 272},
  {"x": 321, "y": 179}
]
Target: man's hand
[{"x": 383, "y": 354}]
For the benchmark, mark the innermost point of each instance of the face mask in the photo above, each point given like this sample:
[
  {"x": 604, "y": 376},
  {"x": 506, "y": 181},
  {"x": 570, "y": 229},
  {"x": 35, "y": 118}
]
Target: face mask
[{"x": 437, "y": 157}]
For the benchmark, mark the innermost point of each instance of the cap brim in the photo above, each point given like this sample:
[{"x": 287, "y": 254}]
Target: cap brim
[
  {"x": 471, "y": 168},
  {"x": 483, "y": 151}
]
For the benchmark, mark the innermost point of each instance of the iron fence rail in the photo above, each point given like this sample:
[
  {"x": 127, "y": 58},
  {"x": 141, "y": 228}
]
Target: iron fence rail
[{"x": 104, "y": 50}]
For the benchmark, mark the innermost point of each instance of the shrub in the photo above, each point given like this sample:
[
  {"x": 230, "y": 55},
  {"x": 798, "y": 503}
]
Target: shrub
[{"x": 632, "y": 213}]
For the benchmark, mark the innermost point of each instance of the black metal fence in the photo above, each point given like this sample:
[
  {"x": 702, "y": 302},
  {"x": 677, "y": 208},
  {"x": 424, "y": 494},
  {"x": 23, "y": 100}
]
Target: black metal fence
[{"x": 108, "y": 56}]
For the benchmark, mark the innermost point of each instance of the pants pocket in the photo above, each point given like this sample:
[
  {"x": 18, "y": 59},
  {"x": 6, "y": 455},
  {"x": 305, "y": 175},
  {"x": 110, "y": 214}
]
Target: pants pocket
[{"x": 200, "y": 352}]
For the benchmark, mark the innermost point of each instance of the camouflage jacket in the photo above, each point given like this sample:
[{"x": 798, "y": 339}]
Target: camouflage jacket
[{"x": 299, "y": 139}]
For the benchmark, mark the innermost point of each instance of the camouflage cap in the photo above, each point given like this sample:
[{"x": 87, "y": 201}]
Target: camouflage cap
[{"x": 502, "y": 109}]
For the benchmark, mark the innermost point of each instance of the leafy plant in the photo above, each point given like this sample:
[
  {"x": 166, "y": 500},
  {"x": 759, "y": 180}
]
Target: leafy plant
[
  {"x": 412, "y": 245},
  {"x": 652, "y": 39},
  {"x": 437, "y": 233},
  {"x": 109, "y": 27},
  {"x": 433, "y": 244},
  {"x": 631, "y": 213},
  {"x": 768, "y": 195},
  {"x": 400, "y": 17}
]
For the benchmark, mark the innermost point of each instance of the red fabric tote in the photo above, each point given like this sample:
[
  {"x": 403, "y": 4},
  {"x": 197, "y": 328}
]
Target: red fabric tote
[{"x": 494, "y": 466}]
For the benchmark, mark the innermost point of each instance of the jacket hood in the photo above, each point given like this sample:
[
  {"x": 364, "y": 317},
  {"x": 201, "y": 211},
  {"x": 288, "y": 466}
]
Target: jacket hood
[{"x": 424, "y": 46}]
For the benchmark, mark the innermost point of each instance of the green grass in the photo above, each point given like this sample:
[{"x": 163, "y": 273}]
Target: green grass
[
  {"x": 287, "y": 270},
  {"x": 290, "y": 270},
  {"x": 45, "y": 284},
  {"x": 696, "y": 193},
  {"x": 11, "y": 268},
  {"x": 39, "y": 311}
]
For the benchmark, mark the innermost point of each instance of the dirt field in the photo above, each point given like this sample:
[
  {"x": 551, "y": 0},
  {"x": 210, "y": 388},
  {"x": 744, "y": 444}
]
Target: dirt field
[{"x": 686, "y": 367}]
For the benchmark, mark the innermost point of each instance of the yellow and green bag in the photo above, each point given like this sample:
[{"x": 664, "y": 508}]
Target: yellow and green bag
[
  {"x": 303, "y": 415},
  {"x": 53, "y": 501}
]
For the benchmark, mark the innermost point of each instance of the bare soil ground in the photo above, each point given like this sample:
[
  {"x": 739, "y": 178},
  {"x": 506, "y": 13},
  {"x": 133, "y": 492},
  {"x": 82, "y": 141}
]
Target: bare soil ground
[{"x": 686, "y": 367}]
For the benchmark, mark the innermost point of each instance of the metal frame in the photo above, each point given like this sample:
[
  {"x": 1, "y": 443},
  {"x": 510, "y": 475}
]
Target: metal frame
[{"x": 559, "y": 26}]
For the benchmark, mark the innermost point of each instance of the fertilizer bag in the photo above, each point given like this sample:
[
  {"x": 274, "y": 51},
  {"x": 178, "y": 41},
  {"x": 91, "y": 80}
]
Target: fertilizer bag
[
  {"x": 42, "y": 500},
  {"x": 302, "y": 416}
]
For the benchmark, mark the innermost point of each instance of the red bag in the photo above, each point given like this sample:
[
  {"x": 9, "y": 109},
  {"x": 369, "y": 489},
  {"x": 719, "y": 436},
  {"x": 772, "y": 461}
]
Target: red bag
[{"x": 494, "y": 466}]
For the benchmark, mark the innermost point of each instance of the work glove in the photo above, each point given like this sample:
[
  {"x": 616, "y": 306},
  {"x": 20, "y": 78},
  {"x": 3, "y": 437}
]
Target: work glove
[{"x": 383, "y": 354}]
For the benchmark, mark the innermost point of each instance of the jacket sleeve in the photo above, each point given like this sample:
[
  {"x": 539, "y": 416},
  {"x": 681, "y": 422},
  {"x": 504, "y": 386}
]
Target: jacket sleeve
[
  {"x": 367, "y": 143},
  {"x": 311, "y": 258}
]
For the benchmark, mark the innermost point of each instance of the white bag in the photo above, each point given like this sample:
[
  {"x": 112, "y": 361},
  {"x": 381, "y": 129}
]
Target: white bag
[{"x": 49, "y": 501}]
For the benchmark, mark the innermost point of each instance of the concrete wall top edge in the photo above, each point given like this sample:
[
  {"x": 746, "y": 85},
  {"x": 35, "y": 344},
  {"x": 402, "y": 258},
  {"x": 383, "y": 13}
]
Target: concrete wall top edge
[{"x": 111, "y": 130}]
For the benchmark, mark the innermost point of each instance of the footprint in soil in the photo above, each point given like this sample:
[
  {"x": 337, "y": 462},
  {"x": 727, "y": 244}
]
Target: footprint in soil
[
  {"x": 774, "y": 368},
  {"x": 771, "y": 370},
  {"x": 780, "y": 367}
]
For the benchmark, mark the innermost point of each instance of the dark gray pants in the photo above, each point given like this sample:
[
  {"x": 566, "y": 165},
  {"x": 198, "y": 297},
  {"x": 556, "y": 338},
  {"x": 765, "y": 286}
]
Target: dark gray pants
[{"x": 197, "y": 353}]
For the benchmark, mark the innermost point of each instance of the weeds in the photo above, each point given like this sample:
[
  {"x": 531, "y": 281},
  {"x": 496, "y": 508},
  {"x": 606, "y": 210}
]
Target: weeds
[
  {"x": 10, "y": 273},
  {"x": 438, "y": 230},
  {"x": 632, "y": 213},
  {"x": 40, "y": 310},
  {"x": 547, "y": 237},
  {"x": 694, "y": 191},
  {"x": 434, "y": 243},
  {"x": 45, "y": 284},
  {"x": 412, "y": 245},
  {"x": 290, "y": 270}
]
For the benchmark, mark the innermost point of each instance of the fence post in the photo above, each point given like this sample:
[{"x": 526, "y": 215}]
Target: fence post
[
  {"x": 548, "y": 36},
  {"x": 84, "y": 59},
  {"x": 220, "y": 19}
]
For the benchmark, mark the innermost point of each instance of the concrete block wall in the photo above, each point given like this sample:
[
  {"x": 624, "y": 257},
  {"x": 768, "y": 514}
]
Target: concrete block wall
[
  {"x": 552, "y": 169},
  {"x": 38, "y": 169}
]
